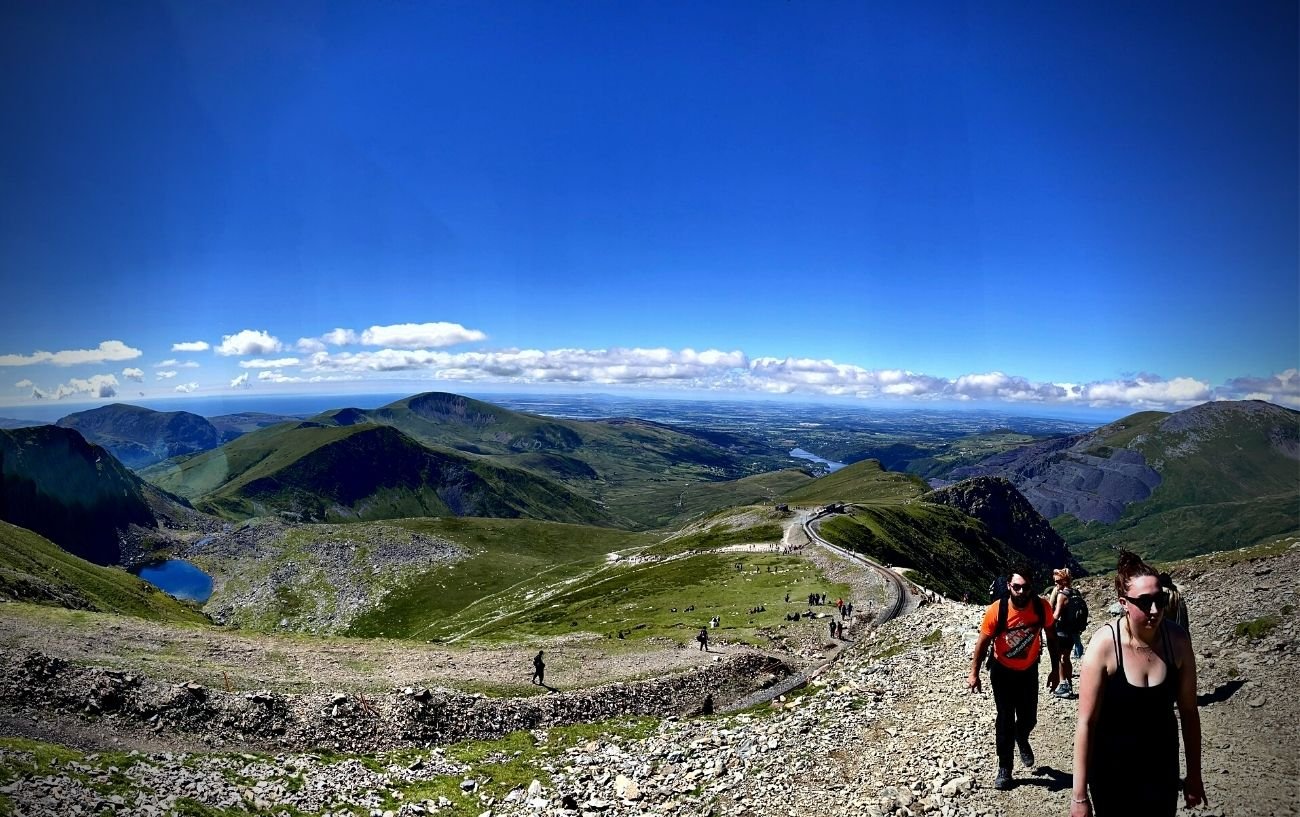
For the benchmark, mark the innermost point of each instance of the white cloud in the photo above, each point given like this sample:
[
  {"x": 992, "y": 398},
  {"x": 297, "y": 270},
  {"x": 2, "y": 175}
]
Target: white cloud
[
  {"x": 277, "y": 377},
  {"x": 109, "y": 350},
  {"x": 309, "y": 345},
  {"x": 249, "y": 342},
  {"x": 346, "y": 337},
  {"x": 173, "y": 363},
  {"x": 100, "y": 385},
  {"x": 168, "y": 375},
  {"x": 415, "y": 335},
  {"x": 603, "y": 366},
  {"x": 134, "y": 374},
  {"x": 241, "y": 382},
  {"x": 24, "y": 384},
  {"x": 1282, "y": 388},
  {"x": 186, "y": 388},
  {"x": 1148, "y": 391},
  {"x": 260, "y": 363},
  {"x": 191, "y": 346}
]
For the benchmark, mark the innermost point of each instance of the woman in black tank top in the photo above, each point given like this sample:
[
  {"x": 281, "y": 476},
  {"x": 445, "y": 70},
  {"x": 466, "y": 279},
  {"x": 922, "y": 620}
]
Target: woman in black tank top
[{"x": 1136, "y": 671}]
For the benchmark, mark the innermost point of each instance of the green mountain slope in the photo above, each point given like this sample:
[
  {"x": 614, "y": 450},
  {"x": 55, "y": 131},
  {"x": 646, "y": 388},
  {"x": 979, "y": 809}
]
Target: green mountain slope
[
  {"x": 1230, "y": 477},
  {"x": 947, "y": 550},
  {"x": 368, "y": 471},
  {"x": 71, "y": 492},
  {"x": 613, "y": 462},
  {"x": 139, "y": 436},
  {"x": 34, "y": 569},
  {"x": 864, "y": 481}
]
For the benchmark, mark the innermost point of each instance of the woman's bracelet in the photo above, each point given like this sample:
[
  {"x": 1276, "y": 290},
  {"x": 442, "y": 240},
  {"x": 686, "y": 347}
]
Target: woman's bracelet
[{"x": 1077, "y": 800}]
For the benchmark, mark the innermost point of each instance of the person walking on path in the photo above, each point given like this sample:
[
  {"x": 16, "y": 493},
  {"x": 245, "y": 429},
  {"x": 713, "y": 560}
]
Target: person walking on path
[
  {"x": 539, "y": 669},
  {"x": 1016, "y": 626},
  {"x": 703, "y": 638},
  {"x": 1062, "y": 596},
  {"x": 1139, "y": 668}
]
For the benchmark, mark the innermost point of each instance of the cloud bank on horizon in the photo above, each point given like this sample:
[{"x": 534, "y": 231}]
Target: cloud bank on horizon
[{"x": 418, "y": 356}]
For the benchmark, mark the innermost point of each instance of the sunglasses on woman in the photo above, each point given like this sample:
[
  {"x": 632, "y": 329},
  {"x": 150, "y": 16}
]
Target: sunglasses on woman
[{"x": 1144, "y": 601}]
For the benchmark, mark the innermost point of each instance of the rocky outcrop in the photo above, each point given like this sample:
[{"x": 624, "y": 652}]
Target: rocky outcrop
[
  {"x": 1061, "y": 477},
  {"x": 1010, "y": 517}
]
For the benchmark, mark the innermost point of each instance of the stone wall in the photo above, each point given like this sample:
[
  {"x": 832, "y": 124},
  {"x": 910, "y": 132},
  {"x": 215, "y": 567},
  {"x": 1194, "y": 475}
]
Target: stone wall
[{"x": 354, "y": 722}]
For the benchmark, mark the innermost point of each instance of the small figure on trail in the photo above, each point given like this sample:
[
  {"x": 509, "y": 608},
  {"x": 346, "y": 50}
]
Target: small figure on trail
[
  {"x": 539, "y": 669},
  {"x": 707, "y": 708},
  {"x": 787, "y": 597},
  {"x": 703, "y": 638},
  {"x": 832, "y": 628}
]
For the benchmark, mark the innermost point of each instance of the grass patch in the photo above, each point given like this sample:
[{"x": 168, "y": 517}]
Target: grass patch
[
  {"x": 888, "y": 648},
  {"x": 1257, "y": 628},
  {"x": 25, "y": 757},
  {"x": 932, "y": 638},
  {"x": 718, "y": 536}
]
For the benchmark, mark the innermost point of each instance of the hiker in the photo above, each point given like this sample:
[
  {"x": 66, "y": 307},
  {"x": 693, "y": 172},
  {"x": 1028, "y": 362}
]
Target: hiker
[
  {"x": 832, "y": 622},
  {"x": 1176, "y": 613},
  {"x": 787, "y": 597},
  {"x": 1015, "y": 626},
  {"x": 539, "y": 669},
  {"x": 1138, "y": 668},
  {"x": 1071, "y": 614},
  {"x": 703, "y": 638}
]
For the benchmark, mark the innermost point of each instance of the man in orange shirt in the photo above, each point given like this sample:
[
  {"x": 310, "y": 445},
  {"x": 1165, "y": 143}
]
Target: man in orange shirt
[{"x": 1016, "y": 625}]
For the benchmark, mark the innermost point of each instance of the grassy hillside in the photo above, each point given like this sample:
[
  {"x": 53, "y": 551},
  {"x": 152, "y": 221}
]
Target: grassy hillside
[
  {"x": 1230, "y": 478},
  {"x": 511, "y": 563},
  {"x": 864, "y": 481},
  {"x": 364, "y": 471},
  {"x": 650, "y": 600},
  {"x": 34, "y": 569},
  {"x": 949, "y": 551},
  {"x": 671, "y": 506},
  {"x": 614, "y": 462}
]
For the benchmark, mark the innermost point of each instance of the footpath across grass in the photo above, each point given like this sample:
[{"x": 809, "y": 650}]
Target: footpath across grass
[{"x": 673, "y": 599}]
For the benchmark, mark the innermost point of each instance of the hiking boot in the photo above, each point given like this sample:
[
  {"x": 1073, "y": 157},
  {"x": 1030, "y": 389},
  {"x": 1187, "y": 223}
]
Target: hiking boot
[
  {"x": 1003, "y": 781},
  {"x": 1027, "y": 755},
  {"x": 1064, "y": 690}
]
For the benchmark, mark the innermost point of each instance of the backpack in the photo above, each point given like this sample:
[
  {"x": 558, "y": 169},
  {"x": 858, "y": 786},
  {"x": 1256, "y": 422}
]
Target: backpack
[
  {"x": 1040, "y": 608},
  {"x": 998, "y": 590},
  {"x": 1074, "y": 616}
]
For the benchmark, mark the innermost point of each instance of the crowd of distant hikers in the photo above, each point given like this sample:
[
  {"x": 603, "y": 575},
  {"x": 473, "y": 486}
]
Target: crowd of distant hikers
[{"x": 1137, "y": 684}]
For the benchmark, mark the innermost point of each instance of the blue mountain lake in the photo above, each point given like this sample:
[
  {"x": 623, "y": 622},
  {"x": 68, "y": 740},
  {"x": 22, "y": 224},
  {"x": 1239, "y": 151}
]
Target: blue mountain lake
[
  {"x": 831, "y": 465},
  {"x": 178, "y": 577}
]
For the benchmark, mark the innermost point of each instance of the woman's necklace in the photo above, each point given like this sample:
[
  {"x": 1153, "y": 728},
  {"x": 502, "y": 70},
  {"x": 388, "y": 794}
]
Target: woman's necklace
[{"x": 1136, "y": 643}]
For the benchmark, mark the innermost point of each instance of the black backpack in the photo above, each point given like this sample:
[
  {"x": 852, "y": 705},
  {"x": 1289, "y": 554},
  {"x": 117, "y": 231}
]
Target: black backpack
[
  {"x": 1074, "y": 616},
  {"x": 999, "y": 590}
]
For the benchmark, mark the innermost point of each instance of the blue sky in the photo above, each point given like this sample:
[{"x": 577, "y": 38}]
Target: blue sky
[{"x": 1050, "y": 205}]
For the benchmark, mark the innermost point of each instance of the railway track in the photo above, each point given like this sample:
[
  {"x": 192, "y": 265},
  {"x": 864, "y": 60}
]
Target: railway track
[{"x": 898, "y": 591}]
